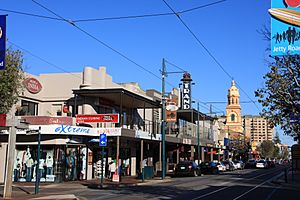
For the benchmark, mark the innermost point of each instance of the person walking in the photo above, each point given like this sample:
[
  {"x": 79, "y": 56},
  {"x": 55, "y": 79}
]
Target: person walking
[{"x": 112, "y": 168}]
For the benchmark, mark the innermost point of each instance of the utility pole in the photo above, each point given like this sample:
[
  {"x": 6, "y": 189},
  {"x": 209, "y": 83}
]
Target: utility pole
[
  {"x": 244, "y": 136},
  {"x": 198, "y": 133},
  {"x": 37, "y": 170},
  {"x": 163, "y": 120},
  {"x": 7, "y": 193}
]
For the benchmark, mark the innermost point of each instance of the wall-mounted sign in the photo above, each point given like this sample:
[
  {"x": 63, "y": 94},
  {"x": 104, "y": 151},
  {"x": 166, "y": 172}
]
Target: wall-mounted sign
[
  {"x": 171, "y": 110},
  {"x": 113, "y": 118},
  {"x": 32, "y": 85},
  {"x": 186, "y": 92},
  {"x": 285, "y": 31},
  {"x": 44, "y": 120},
  {"x": 2, "y": 41}
]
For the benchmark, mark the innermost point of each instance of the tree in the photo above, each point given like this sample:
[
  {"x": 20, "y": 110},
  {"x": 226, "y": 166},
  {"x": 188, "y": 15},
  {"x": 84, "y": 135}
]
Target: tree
[
  {"x": 281, "y": 94},
  {"x": 266, "y": 149},
  {"x": 11, "y": 80}
]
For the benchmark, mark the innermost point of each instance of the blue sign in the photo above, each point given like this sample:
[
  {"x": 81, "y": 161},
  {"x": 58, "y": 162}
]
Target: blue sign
[
  {"x": 2, "y": 41},
  {"x": 285, "y": 30},
  {"x": 102, "y": 140}
]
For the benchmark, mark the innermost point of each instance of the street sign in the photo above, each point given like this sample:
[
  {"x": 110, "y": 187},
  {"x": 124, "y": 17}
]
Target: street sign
[{"x": 102, "y": 140}]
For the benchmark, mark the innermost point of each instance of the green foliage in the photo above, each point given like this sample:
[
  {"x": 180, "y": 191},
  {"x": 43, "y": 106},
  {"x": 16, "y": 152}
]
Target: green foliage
[
  {"x": 281, "y": 94},
  {"x": 11, "y": 80},
  {"x": 267, "y": 149}
]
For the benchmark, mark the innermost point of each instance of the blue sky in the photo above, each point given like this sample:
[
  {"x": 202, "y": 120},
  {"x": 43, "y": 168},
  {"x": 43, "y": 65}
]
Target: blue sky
[{"x": 228, "y": 29}]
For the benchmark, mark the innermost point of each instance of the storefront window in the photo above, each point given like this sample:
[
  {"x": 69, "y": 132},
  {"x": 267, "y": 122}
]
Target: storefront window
[{"x": 27, "y": 108}]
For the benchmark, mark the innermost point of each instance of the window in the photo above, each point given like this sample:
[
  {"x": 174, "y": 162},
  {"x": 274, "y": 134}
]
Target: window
[
  {"x": 232, "y": 117},
  {"x": 27, "y": 108}
]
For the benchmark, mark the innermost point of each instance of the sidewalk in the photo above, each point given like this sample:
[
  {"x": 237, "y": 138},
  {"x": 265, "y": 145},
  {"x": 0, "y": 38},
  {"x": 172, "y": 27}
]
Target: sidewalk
[{"x": 65, "y": 190}]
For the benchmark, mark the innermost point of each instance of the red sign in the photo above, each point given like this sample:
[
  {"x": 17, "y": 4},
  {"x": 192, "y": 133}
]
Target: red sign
[
  {"x": 32, "y": 85},
  {"x": 44, "y": 120},
  {"x": 114, "y": 118},
  {"x": 2, "y": 119},
  {"x": 213, "y": 152}
]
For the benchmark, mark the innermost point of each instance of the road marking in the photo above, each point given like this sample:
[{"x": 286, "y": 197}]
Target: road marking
[
  {"x": 204, "y": 195},
  {"x": 270, "y": 195}
]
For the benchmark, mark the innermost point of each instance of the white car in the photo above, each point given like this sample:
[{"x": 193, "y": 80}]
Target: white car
[
  {"x": 261, "y": 164},
  {"x": 221, "y": 167},
  {"x": 239, "y": 164}
]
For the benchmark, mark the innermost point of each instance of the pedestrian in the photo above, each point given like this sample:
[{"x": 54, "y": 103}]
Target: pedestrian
[
  {"x": 29, "y": 164},
  {"x": 112, "y": 168}
]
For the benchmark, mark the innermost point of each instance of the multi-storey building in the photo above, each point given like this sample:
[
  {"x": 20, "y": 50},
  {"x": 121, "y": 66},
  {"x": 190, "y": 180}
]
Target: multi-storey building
[{"x": 258, "y": 129}]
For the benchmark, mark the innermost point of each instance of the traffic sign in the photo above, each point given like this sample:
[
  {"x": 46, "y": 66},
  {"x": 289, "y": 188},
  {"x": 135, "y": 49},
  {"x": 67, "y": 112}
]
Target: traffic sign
[{"x": 102, "y": 140}]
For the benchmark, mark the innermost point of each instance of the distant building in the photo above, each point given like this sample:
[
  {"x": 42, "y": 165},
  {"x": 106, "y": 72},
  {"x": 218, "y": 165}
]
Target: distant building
[{"x": 258, "y": 129}]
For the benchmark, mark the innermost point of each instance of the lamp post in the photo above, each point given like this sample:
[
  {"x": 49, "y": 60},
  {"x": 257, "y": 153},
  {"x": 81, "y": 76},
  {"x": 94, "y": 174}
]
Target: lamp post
[
  {"x": 37, "y": 174},
  {"x": 198, "y": 133}
]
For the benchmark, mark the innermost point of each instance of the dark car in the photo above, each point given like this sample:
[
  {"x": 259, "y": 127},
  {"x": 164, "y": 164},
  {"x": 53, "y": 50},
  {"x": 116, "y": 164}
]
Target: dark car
[
  {"x": 271, "y": 163},
  {"x": 187, "y": 168},
  {"x": 250, "y": 163},
  {"x": 209, "y": 168}
]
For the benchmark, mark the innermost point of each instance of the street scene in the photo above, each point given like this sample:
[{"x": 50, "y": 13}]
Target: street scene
[{"x": 150, "y": 99}]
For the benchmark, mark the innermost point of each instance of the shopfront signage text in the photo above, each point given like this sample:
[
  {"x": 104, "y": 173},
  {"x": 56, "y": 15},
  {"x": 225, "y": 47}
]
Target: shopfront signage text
[
  {"x": 2, "y": 41},
  {"x": 98, "y": 118},
  {"x": 32, "y": 85},
  {"x": 186, "y": 97},
  {"x": 71, "y": 129}
]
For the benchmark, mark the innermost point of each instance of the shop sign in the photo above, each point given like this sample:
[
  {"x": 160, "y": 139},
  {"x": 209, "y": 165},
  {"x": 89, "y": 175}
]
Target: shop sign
[
  {"x": 65, "y": 129},
  {"x": 32, "y": 85},
  {"x": 109, "y": 131},
  {"x": 2, "y": 119},
  {"x": 45, "y": 120},
  {"x": 186, "y": 96},
  {"x": 186, "y": 141},
  {"x": 2, "y": 41},
  {"x": 285, "y": 29},
  {"x": 113, "y": 118}
]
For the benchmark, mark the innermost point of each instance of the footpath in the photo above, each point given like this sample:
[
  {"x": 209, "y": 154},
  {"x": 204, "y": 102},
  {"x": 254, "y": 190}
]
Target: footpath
[{"x": 65, "y": 190}]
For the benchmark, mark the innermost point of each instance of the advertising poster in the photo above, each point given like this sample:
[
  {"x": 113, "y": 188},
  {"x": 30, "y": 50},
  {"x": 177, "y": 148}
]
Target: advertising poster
[
  {"x": 285, "y": 27},
  {"x": 2, "y": 41}
]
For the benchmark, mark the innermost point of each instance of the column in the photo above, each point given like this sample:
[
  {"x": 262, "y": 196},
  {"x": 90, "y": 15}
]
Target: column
[
  {"x": 202, "y": 154},
  {"x": 142, "y": 155},
  {"x": 192, "y": 153},
  {"x": 133, "y": 160},
  {"x": 211, "y": 154}
]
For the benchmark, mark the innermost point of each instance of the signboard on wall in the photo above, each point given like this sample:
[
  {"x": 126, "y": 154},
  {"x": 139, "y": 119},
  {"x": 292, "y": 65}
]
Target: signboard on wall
[
  {"x": 2, "y": 41},
  {"x": 32, "y": 85},
  {"x": 2, "y": 119},
  {"x": 44, "y": 120},
  {"x": 171, "y": 110},
  {"x": 113, "y": 118},
  {"x": 285, "y": 27}
]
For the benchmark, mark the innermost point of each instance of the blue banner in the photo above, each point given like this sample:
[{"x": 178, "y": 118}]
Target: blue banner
[
  {"x": 2, "y": 41},
  {"x": 285, "y": 27}
]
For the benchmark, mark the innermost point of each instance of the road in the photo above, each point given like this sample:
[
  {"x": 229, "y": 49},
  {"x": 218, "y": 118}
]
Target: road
[{"x": 242, "y": 184}]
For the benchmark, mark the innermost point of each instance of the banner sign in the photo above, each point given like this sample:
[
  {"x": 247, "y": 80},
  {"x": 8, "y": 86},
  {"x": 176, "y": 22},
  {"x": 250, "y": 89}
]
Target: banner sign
[
  {"x": 171, "y": 109},
  {"x": 2, "y": 41},
  {"x": 285, "y": 27},
  {"x": 113, "y": 118},
  {"x": 2, "y": 119}
]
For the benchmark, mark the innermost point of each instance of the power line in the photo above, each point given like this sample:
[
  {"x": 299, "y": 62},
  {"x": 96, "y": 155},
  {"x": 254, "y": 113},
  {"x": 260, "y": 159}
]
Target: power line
[
  {"x": 98, "y": 40},
  {"x": 30, "y": 14},
  {"x": 114, "y": 18},
  {"x": 207, "y": 50}
]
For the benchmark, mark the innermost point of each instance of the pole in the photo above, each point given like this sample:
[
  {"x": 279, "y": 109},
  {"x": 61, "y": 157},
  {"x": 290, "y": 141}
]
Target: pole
[
  {"x": 163, "y": 119},
  {"x": 37, "y": 174},
  {"x": 11, "y": 158},
  {"x": 102, "y": 166},
  {"x": 198, "y": 134},
  {"x": 244, "y": 137}
]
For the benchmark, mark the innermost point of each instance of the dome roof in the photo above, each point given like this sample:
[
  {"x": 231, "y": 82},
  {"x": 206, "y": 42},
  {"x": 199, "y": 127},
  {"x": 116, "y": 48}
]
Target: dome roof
[{"x": 233, "y": 91}]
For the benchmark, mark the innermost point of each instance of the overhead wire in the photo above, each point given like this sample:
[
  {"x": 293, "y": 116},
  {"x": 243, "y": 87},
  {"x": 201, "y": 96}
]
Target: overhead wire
[
  {"x": 104, "y": 44},
  {"x": 207, "y": 50},
  {"x": 114, "y": 18}
]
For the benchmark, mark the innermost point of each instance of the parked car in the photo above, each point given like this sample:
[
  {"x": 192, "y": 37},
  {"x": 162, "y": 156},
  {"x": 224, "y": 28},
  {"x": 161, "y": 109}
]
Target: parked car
[
  {"x": 262, "y": 164},
  {"x": 209, "y": 168},
  {"x": 271, "y": 163},
  {"x": 250, "y": 163},
  {"x": 185, "y": 168},
  {"x": 239, "y": 164},
  {"x": 229, "y": 165},
  {"x": 221, "y": 167}
]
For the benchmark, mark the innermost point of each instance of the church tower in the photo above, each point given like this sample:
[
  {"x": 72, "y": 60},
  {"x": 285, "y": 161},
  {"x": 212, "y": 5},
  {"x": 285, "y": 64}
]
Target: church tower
[{"x": 234, "y": 123}]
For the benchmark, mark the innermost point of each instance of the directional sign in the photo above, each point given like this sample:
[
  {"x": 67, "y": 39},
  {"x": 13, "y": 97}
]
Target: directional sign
[{"x": 102, "y": 140}]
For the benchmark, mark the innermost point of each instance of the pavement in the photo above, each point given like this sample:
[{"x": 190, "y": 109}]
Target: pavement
[{"x": 64, "y": 190}]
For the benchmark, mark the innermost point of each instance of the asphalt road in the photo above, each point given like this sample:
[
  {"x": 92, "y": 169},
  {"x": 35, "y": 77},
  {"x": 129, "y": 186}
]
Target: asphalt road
[{"x": 241, "y": 184}]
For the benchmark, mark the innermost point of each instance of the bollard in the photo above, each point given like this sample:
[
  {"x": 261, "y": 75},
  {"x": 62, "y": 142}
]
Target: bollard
[{"x": 285, "y": 174}]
